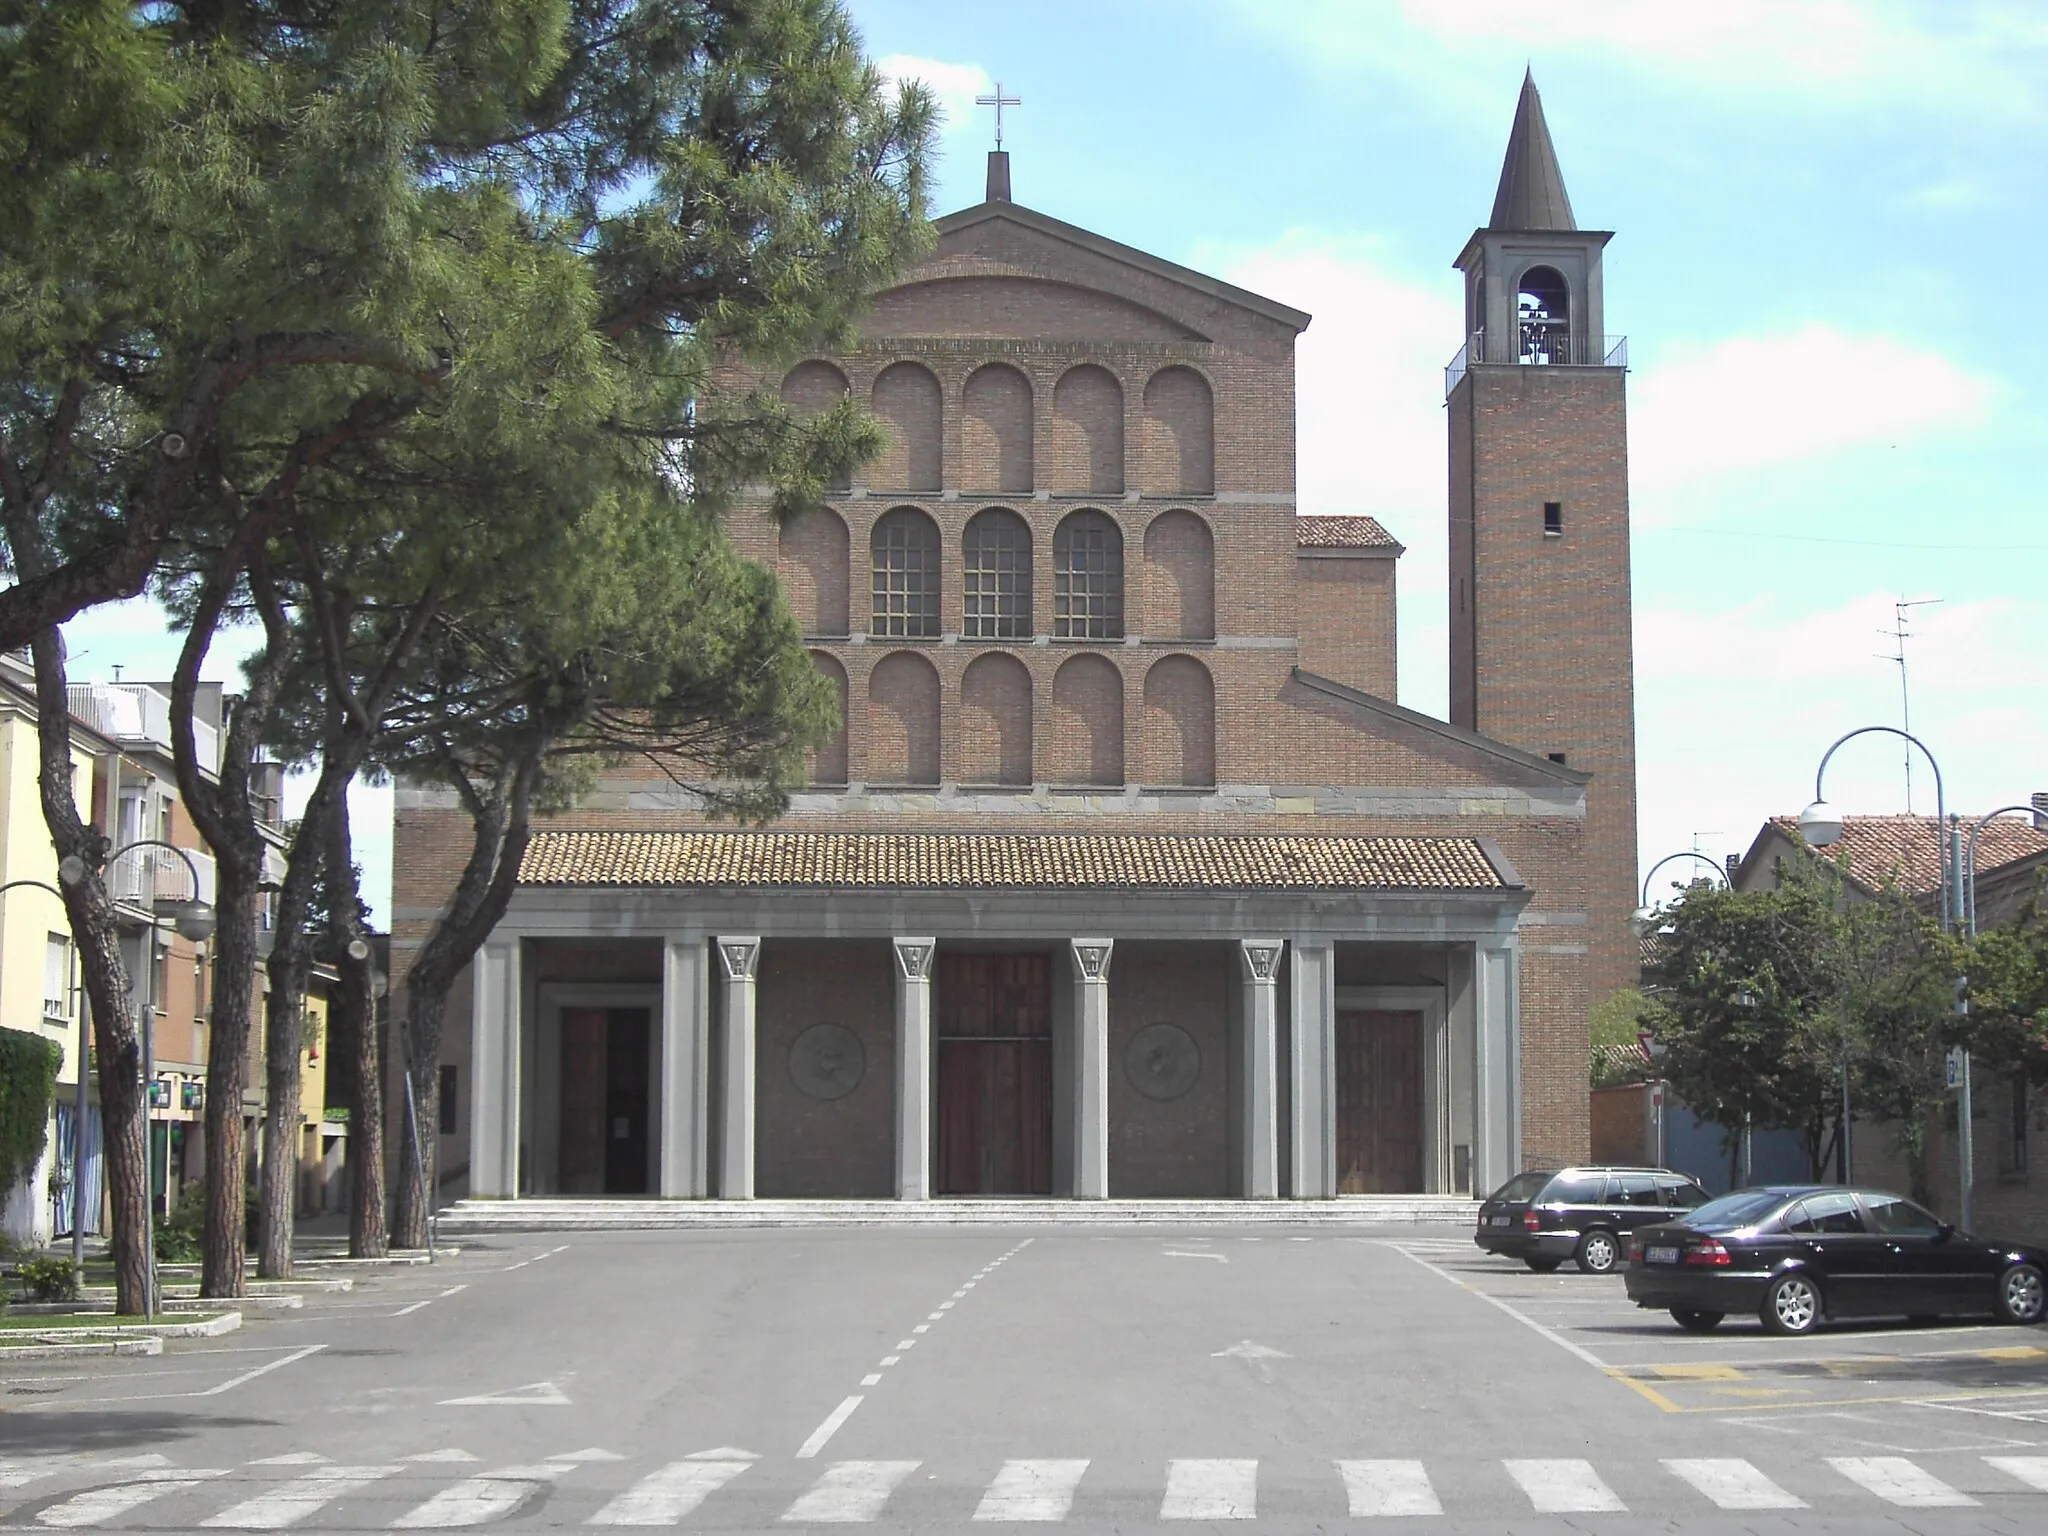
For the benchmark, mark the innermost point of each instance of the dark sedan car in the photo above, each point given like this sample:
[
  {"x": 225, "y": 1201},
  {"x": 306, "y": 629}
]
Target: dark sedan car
[
  {"x": 1796, "y": 1254},
  {"x": 1546, "y": 1216}
]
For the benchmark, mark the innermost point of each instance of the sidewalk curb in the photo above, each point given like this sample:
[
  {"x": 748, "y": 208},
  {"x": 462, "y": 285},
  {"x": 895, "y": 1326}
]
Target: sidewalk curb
[
  {"x": 409, "y": 1257},
  {"x": 102, "y": 1347}
]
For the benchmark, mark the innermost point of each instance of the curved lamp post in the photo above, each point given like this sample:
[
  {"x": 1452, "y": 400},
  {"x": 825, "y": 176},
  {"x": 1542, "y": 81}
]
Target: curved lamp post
[
  {"x": 194, "y": 920},
  {"x": 1647, "y": 914},
  {"x": 1970, "y": 860},
  {"x": 1821, "y": 825}
]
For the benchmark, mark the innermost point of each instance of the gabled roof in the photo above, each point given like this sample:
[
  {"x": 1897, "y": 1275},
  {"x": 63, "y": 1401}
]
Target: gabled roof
[
  {"x": 1112, "y": 250},
  {"x": 1877, "y": 850},
  {"x": 1327, "y": 530},
  {"x": 1457, "y": 734},
  {"x": 1531, "y": 195}
]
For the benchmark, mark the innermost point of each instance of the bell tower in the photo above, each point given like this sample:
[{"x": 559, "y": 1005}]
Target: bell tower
[{"x": 1541, "y": 651}]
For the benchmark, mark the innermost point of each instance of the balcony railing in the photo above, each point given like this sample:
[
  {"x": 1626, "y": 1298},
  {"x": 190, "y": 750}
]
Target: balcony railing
[
  {"x": 149, "y": 875},
  {"x": 136, "y": 712},
  {"x": 1536, "y": 349}
]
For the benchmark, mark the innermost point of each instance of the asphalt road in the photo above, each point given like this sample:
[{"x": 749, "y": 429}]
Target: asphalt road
[{"x": 926, "y": 1380}]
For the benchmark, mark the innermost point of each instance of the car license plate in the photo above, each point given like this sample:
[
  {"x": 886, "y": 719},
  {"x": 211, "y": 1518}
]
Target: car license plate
[
  {"x": 1660, "y": 1255},
  {"x": 1501, "y": 1221}
]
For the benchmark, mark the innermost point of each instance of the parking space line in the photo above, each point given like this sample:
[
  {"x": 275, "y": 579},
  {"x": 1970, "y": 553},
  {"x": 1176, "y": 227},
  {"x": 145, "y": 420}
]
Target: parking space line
[{"x": 1523, "y": 1318}]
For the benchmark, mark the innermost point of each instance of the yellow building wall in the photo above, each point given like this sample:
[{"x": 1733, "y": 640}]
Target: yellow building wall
[{"x": 29, "y": 916}]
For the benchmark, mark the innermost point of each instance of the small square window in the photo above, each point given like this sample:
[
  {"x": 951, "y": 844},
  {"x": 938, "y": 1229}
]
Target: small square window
[
  {"x": 1556, "y": 757},
  {"x": 1553, "y": 519}
]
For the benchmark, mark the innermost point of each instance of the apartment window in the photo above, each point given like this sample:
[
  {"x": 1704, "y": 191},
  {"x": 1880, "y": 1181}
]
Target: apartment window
[
  {"x": 57, "y": 977},
  {"x": 906, "y": 576},
  {"x": 1088, "y": 578},
  {"x": 1553, "y": 519},
  {"x": 997, "y": 576},
  {"x": 446, "y": 1104}
]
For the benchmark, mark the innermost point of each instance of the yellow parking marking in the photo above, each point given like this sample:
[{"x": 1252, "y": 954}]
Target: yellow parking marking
[
  {"x": 1646, "y": 1390},
  {"x": 1691, "y": 1372},
  {"x": 2015, "y": 1354}
]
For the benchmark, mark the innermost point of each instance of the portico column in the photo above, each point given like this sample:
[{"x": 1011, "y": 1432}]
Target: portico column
[
  {"x": 1312, "y": 1045},
  {"x": 914, "y": 1068},
  {"x": 1498, "y": 1067},
  {"x": 736, "y": 1166},
  {"x": 685, "y": 1061},
  {"x": 1261, "y": 1173},
  {"x": 494, "y": 1070},
  {"x": 1091, "y": 1068}
]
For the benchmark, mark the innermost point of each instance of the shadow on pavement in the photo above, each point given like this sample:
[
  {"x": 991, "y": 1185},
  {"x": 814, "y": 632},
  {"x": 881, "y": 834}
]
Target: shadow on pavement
[{"x": 22, "y": 1433}]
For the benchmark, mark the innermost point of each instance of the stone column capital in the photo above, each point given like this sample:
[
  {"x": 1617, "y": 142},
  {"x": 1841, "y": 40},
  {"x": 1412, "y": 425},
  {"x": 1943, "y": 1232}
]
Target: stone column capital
[
  {"x": 1261, "y": 959},
  {"x": 738, "y": 955},
  {"x": 914, "y": 958},
  {"x": 1091, "y": 958}
]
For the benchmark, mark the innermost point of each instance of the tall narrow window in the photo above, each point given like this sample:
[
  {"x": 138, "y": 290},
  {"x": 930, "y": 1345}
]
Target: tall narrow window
[
  {"x": 445, "y": 1116},
  {"x": 57, "y": 977},
  {"x": 997, "y": 577},
  {"x": 1088, "y": 578},
  {"x": 906, "y": 575},
  {"x": 1553, "y": 519}
]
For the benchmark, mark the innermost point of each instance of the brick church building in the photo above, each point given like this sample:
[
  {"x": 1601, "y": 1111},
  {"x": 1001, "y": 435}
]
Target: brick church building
[{"x": 1126, "y": 875}]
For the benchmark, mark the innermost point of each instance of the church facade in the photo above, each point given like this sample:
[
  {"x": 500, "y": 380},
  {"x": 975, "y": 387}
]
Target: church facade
[{"x": 1126, "y": 875}]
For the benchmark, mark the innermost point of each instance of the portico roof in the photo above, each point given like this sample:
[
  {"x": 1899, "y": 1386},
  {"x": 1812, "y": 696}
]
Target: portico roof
[{"x": 1044, "y": 861}]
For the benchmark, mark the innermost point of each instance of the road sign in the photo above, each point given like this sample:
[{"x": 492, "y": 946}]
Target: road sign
[
  {"x": 1956, "y": 1058},
  {"x": 1649, "y": 1045}
]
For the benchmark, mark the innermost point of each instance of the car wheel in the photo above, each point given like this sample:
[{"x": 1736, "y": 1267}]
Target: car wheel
[
  {"x": 1694, "y": 1321},
  {"x": 2022, "y": 1295},
  {"x": 1791, "y": 1305},
  {"x": 1541, "y": 1266},
  {"x": 1598, "y": 1253}
]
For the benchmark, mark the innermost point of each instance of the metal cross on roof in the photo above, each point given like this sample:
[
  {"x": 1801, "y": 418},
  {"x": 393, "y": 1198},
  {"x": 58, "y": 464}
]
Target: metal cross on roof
[{"x": 999, "y": 101}]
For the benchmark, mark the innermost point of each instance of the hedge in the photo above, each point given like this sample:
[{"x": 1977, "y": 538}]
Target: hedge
[{"x": 28, "y": 1085}]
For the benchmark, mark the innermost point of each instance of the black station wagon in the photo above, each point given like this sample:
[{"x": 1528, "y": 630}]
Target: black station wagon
[{"x": 1546, "y": 1216}]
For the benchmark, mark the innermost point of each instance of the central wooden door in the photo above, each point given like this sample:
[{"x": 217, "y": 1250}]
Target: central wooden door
[
  {"x": 604, "y": 1101},
  {"x": 1379, "y": 1103},
  {"x": 992, "y": 1015}
]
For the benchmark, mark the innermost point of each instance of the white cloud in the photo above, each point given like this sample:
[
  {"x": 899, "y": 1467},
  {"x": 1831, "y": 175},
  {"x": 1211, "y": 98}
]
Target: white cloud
[
  {"x": 1750, "y": 402},
  {"x": 953, "y": 86}
]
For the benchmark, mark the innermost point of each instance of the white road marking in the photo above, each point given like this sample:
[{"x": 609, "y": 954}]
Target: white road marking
[
  {"x": 906, "y": 1343},
  {"x": 1389, "y": 1488},
  {"x": 97, "y": 1505},
  {"x": 1031, "y": 1490},
  {"x": 475, "y": 1500},
  {"x": 891, "y": 1359},
  {"x": 1526, "y": 1321},
  {"x": 535, "y": 1394},
  {"x": 1564, "y": 1487},
  {"x": 1211, "y": 1490},
  {"x": 450, "y": 1454},
  {"x": 1898, "y": 1481},
  {"x": 248, "y": 1376},
  {"x": 2031, "y": 1470},
  {"x": 289, "y": 1503},
  {"x": 850, "y": 1492},
  {"x": 946, "y": 1306},
  {"x": 872, "y": 1379},
  {"x": 408, "y": 1311},
  {"x": 291, "y": 1459},
  {"x": 922, "y": 1328},
  {"x": 1175, "y": 1253},
  {"x": 828, "y": 1429},
  {"x": 1733, "y": 1483},
  {"x": 17, "y": 1472},
  {"x": 665, "y": 1497}
]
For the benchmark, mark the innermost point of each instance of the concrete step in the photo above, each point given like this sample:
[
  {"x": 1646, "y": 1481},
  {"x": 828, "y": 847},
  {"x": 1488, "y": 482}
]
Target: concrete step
[{"x": 595, "y": 1213}]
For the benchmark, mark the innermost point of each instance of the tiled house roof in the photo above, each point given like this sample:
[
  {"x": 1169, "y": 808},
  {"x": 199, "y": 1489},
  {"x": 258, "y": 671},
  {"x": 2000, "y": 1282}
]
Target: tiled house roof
[
  {"x": 1000, "y": 860},
  {"x": 1878, "y": 849},
  {"x": 1323, "y": 531}
]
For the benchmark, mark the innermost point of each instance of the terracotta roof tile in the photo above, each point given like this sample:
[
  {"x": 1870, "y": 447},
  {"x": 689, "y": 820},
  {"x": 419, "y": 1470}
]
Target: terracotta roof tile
[
  {"x": 904, "y": 860},
  {"x": 1877, "y": 849},
  {"x": 1324, "y": 531}
]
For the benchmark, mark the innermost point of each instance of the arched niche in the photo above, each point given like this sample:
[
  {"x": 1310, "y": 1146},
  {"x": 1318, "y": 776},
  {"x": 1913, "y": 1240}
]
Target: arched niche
[
  {"x": 1543, "y": 317},
  {"x": 1088, "y": 432},
  {"x": 995, "y": 721},
  {"x": 903, "y": 721},
  {"x": 1086, "y": 732},
  {"x": 1180, "y": 578},
  {"x": 811, "y": 388},
  {"x": 1180, "y": 435},
  {"x": 908, "y": 403},
  {"x": 995, "y": 576},
  {"x": 1179, "y": 732},
  {"x": 829, "y": 759},
  {"x": 995, "y": 430},
  {"x": 1088, "y": 577},
  {"x": 811, "y": 560},
  {"x": 903, "y": 564}
]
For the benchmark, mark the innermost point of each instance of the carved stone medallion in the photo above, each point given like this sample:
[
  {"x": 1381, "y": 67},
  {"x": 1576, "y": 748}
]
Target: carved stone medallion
[
  {"x": 826, "y": 1061},
  {"x": 1162, "y": 1061}
]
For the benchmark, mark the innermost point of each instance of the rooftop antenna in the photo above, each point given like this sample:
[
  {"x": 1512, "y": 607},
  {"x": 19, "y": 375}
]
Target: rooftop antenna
[
  {"x": 1900, "y": 632},
  {"x": 999, "y": 101}
]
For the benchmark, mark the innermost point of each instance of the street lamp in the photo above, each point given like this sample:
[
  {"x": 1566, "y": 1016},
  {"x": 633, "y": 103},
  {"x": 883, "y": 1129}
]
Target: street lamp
[
  {"x": 1821, "y": 825},
  {"x": 193, "y": 918},
  {"x": 1970, "y": 861},
  {"x": 1646, "y": 915}
]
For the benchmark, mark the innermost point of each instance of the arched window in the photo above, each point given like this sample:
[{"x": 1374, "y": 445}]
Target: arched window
[
  {"x": 1088, "y": 578},
  {"x": 810, "y": 389},
  {"x": 1180, "y": 578},
  {"x": 906, "y": 576},
  {"x": 995, "y": 430},
  {"x": 1086, "y": 741},
  {"x": 996, "y": 577},
  {"x": 1088, "y": 432},
  {"x": 912, "y": 413},
  {"x": 828, "y": 759},
  {"x": 1180, "y": 723},
  {"x": 1543, "y": 314}
]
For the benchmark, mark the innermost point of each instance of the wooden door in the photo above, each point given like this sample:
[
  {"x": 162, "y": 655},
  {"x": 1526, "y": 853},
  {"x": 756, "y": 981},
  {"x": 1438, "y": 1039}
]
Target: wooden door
[
  {"x": 1379, "y": 1103},
  {"x": 583, "y": 1101},
  {"x": 625, "y": 1145},
  {"x": 992, "y": 1017}
]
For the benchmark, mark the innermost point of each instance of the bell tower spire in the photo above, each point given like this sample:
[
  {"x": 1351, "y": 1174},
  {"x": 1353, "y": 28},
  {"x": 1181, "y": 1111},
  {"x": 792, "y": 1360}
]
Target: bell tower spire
[{"x": 1531, "y": 194}]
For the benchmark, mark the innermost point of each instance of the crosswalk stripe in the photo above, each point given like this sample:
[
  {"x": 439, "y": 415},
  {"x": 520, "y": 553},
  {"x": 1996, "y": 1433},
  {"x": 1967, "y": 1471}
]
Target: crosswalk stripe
[
  {"x": 475, "y": 1500},
  {"x": 1031, "y": 1490},
  {"x": 99, "y": 1504},
  {"x": 664, "y": 1497},
  {"x": 1389, "y": 1488},
  {"x": 850, "y": 1492},
  {"x": 2031, "y": 1470},
  {"x": 1564, "y": 1487},
  {"x": 1898, "y": 1481},
  {"x": 1211, "y": 1490},
  {"x": 1733, "y": 1483},
  {"x": 18, "y": 1472},
  {"x": 291, "y": 1502}
]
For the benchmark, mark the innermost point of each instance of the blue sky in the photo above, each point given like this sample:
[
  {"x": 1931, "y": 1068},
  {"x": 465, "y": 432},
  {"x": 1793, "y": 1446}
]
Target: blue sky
[{"x": 1828, "y": 223}]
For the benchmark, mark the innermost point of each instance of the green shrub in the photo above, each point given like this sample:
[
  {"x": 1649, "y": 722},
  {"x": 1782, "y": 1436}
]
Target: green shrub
[
  {"x": 28, "y": 1084},
  {"x": 49, "y": 1279},
  {"x": 178, "y": 1238}
]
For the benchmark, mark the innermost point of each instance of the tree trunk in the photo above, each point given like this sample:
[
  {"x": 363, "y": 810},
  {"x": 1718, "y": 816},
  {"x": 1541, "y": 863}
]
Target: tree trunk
[
  {"x": 426, "y": 1007},
  {"x": 283, "y": 1037},
  {"x": 353, "y": 1019},
  {"x": 96, "y": 930},
  {"x": 224, "y": 1240}
]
